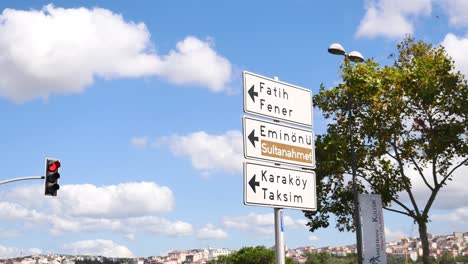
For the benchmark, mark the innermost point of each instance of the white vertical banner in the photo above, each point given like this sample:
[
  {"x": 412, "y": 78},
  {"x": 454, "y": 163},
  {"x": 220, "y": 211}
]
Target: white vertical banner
[{"x": 373, "y": 233}]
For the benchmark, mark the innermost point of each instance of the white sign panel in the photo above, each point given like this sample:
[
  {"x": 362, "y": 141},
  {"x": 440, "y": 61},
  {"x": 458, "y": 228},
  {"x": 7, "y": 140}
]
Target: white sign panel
[
  {"x": 277, "y": 100},
  {"x": 373, "y": 234},
  {"x": 278, "y": 143},
  {"x": 277, "y": 187}
]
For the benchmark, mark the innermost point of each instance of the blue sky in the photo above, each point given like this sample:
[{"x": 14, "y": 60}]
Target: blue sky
[{"x": 142, "y": 102}]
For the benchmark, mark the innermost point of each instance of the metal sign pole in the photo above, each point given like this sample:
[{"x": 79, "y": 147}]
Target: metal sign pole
[
  {"x": 279, "y": 236},
  {"x": 279, "y": 228}
]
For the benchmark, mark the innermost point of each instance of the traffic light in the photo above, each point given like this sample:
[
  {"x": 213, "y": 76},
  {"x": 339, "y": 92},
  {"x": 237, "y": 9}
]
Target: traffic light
[{"x": 51, "y": 177}]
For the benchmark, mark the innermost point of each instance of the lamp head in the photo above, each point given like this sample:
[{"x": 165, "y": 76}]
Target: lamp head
[
  {"x": 336, "y": 49},
  {"x": 355, "y": 56}
]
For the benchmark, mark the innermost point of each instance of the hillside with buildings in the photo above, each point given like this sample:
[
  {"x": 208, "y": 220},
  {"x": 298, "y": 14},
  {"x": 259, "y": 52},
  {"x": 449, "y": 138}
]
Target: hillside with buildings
[{"x": 455, "y": 244}]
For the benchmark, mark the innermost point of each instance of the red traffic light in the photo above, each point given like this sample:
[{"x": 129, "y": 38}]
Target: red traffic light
[{"x": 54, "y": 166}]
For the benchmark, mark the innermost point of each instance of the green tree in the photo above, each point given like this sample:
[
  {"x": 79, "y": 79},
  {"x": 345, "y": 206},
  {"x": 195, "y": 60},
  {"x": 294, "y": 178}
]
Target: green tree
[
  {"x": 219, "y": 260},
  {"x": 446, "y": 258},
  {"x": 327, "y": 258},
  {"x": 462, "y": 259},
  {"x": 250, "y": 255},
  {"x": 317, "y": 258},
  {"x": 410, "y": 120}
]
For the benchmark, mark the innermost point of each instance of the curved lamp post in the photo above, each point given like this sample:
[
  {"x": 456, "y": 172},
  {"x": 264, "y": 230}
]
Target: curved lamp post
[{"x": 354, "y": 56}]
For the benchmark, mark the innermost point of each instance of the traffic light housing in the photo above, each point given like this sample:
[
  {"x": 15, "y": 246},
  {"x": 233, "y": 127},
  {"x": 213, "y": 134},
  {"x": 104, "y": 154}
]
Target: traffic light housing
[{"x": 51, "y": 177}]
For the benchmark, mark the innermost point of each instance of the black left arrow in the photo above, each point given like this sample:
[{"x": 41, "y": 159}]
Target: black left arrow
[
  {"x": 252, "y": 93},
  {"x": 252, "y": 137},
  {"x": 253, "y": 183}
]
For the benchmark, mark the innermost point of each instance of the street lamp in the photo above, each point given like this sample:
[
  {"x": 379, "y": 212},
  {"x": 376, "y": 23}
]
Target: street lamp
[
  {"x": 354, "y": 56},
  {"x": 337, "y": 49}
]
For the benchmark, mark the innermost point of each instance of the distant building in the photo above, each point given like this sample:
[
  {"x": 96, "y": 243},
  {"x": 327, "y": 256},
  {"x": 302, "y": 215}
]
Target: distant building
[
  {"x": 214, "y": 253},
  {"x": 189, "y": 259},
  {"x": 458, "y": 234},
  {"x": 176, "y": 255}
]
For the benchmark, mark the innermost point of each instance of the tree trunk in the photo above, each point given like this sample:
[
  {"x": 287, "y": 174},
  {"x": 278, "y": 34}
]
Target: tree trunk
[{"x": 422, "y": 224}]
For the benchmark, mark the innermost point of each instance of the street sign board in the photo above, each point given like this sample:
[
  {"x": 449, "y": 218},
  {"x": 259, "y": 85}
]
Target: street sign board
[
  {"x": 278, "y": 143},
  {"x": 278, "y": 100},
  {"x": 271, "y": 186}
]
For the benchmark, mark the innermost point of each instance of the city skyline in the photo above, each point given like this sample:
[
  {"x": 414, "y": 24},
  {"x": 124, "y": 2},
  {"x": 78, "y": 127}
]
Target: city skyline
[
  {"x": 407, "y": 247},
  {"x": 142, "y": 104}
]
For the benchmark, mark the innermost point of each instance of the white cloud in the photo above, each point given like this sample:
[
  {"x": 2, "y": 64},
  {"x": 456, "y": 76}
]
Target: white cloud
[
  {"x": 456, "y": 47},
  {"x": 209, "y": 152},
  {"x": 195, "y": 62},
  {"x": 98, "y": 247},
  {"x": 294, "y": 223},
  {"x": 210, "y": 231},
  {"x": 391, "y": 18},
  {"x": 5, "y": 233},
  {"x": 153, "y": 224},
  {"x": 16, "y": 211},
  {"x": 11, "y": 252},
  {"x": 57, "y": 50},
  {"x": 262, "y": 224},
  {"x": 60, "y": 224},
  {"x": 393, "y": 234},
  {"x": 158, "y": 225},
  {"x": 123, "y": 208},
  {"x": 458, "y": 216},
  {"x": 456, "y": 10},
  {"x": 139, "y": 142},
  {"x": 126, "y": 199},
  {"x": 313, "y": 238},
  {"x": 130, "y": 236},
  {"x": 62, "y": 51}
]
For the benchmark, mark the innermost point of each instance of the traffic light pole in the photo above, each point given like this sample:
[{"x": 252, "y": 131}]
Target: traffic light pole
[{"x": 22, "y": 179}]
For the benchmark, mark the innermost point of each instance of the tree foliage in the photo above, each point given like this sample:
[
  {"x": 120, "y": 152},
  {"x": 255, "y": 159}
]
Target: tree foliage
[
  {"x": 249, "y": 255},
  {"x": 317, "y": 258},
  {"x": 409, "y": 120}
]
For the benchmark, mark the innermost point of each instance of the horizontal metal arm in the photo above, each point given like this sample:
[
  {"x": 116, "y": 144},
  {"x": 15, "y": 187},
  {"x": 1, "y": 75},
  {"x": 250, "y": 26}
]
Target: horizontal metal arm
[{"x": 22, "y": 179}]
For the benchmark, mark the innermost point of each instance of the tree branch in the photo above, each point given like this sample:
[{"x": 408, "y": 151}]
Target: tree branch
[
  {"x": 410, "y": 212},
  {"x": 388, "y": 153},
  {"x": 396, "y": 211},
  {"x": 454, "y": 168},
  {"x": 421, "y": 174},
  {"x": 434, "y": 170},
  {"x": 434, "y": 158},
  {"x": 365, "y": 178},
  {"x": 400, "y": 167},
  {"x": 431, "y": 199}
]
